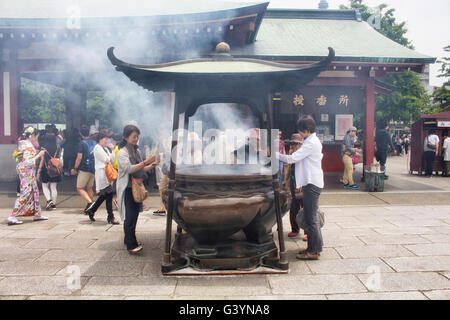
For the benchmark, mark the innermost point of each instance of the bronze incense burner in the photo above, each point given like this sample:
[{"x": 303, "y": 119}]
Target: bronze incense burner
[{"x": 225, "y": 217}]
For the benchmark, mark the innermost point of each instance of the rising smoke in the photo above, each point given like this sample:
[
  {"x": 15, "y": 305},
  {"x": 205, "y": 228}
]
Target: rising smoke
[{"x": 135, "y": 42}]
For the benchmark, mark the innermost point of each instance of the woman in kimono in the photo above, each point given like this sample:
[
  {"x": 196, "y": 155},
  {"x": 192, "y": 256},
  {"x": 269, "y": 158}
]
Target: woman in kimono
[{"x": 27, "y": 204}]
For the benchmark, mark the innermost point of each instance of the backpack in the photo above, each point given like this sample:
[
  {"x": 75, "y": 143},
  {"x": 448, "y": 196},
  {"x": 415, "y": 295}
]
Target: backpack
[
  {"x": 90, "y": 160},
  {"x": 53, "y": 166}
]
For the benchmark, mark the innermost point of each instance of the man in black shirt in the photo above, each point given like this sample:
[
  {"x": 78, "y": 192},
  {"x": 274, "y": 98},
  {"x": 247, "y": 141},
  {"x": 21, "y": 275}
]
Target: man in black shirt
[{"x": 383, "y": 141}]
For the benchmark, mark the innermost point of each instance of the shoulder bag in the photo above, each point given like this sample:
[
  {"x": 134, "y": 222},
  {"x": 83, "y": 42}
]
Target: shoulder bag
[
  {"x": 138, "y": 190},
  {"x": 300, "y": 219},
  {"x": 111, "y": 172},
  {"x": 430, "y": 145},
  {"x": 53, "y": 166}
]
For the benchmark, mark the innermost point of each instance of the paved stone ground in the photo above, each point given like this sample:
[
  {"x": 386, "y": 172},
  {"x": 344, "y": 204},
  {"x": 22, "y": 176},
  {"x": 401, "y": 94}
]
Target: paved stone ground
[
  {"x": 391, "y": 245},
  {"x": 372, "y": 252}
]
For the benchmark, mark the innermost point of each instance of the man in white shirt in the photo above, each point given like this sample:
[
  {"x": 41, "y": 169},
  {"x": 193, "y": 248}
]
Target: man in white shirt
[
  {"x": 431, "y": 149},
  {"x": 446, "y": 154},
  {"x": 309, "y": 177}
]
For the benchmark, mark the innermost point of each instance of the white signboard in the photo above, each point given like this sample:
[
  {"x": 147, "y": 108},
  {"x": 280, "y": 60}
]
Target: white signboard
[
  {"x": 443, "y": 124},
  {"x": 343, "y": 124}
]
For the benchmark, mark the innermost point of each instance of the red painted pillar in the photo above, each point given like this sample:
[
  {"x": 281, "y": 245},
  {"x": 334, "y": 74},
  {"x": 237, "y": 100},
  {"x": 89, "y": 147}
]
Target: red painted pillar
[{"x": 370, "y": 122}]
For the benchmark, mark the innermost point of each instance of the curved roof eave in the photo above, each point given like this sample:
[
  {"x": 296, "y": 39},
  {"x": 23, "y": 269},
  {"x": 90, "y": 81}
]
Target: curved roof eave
[
  {"x": 269, "y": 74},
  {"x": 199, "y": 11},
  {"x": 379, "y": 60}
]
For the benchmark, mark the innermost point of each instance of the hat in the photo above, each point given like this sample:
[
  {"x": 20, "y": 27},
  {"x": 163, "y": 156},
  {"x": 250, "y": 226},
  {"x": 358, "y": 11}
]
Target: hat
[
  {"x": 296, "y": 138},
  {"x": 352, "y": 129},
  {"x": 93, "y": 130}
]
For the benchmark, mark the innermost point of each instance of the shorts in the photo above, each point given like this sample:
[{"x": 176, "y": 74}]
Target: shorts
[{"x": 85, "y": 179}]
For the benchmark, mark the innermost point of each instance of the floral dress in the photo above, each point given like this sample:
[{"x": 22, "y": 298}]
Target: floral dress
[{"x": 27, "y": 204}]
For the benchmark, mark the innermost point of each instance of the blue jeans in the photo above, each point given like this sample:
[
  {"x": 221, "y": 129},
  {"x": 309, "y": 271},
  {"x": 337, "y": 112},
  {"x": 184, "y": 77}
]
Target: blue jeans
[
  {"x": 280, "y": 168},
  {"x": 311, "y": 195}
]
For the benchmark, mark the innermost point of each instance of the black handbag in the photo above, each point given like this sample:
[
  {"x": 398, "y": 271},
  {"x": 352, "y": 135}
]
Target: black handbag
[{"x": 430, "y": 145}]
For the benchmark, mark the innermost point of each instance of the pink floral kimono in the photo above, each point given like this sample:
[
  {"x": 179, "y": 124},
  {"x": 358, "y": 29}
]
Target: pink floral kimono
[{"x": 28, "y": 202}]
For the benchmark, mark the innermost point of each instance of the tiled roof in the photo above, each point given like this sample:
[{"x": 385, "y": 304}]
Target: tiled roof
[
  {"x": 306, "y": 35},
  {"x": 55, "y": 13},
  {"x": 61, "y": 9}
]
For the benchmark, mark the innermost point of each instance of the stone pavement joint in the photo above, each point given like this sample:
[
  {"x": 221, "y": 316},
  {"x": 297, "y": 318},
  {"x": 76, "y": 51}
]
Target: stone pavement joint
[
  {"x": 394, "y": 245},
  {"x": 359, "y": 261}
]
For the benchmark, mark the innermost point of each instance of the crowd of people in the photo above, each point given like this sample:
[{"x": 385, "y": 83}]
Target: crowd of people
[
  {"x": 88, "y": 154},
  {"x": 85, "y": 153},
  {"x": 433, "y": 147}
]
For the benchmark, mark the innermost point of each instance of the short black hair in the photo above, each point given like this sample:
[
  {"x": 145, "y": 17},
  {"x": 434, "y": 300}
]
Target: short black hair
[
  {"x": 381, "y": 124},
  {"x": 100, "y": 136},
  {"x": 127, "y": 131},
  {"x": 84, "y": 131},
  {"x": 306, "y": 123}
]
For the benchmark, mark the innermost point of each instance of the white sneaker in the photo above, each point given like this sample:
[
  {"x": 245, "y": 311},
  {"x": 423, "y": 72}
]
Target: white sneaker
[
  {"x": 37, "y": 218},
  {"x": 12, "y": 220}
]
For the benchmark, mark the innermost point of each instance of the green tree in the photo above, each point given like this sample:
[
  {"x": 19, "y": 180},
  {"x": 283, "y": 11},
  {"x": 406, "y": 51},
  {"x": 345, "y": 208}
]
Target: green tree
[
  {"x": 41, "y": 103},
  {"x": 388, "y": 23},
  {"x": 409, "y": 99},
  {"x": 407, "y": 102},
  {"x": 98, "y": 108},
  {"x": 441, "y": 96}
]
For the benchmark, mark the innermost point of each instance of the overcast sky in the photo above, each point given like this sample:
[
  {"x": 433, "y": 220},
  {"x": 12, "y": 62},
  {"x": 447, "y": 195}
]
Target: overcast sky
[{"x": 427, "y": 21}]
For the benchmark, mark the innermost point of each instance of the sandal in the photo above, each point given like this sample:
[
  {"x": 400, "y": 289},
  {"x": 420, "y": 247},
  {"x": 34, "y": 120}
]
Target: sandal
[
  {"x": 12, "y": 221},
  {"x": 39, "y": 218},
  {"x": 159, "y": 212},
  {"x": 305, "y": 251},
  {"x": 113, "y": 221},
  {"x": 308, "y": 256},
  {"x": 135, "y": 250}
]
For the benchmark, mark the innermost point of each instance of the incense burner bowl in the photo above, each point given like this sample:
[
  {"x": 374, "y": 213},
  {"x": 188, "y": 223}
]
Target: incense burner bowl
[{"x": 212, "y": 203}]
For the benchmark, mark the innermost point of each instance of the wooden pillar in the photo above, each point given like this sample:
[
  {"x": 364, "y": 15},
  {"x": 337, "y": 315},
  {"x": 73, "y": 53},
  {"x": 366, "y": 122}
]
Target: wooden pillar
[
  {"x": 171, "y": 188},
  {"x": 369, "y": 122},
  {"x": 284, "y": 264},
  {"x": 9, "y": 112},
  {"x": 9, "y": 97}
]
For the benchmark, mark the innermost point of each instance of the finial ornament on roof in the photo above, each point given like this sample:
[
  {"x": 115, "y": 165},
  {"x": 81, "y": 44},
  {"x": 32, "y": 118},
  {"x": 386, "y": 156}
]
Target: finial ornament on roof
[
  {"x": 223, "y": 47},
  {"x": 323, "y": 4}
]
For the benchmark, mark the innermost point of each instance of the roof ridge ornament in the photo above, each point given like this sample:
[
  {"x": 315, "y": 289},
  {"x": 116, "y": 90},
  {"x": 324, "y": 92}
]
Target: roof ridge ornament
[
  {"x": 222, "y": 52},
  {"x": 323, "y": 4},
  {"x": 358, "y": 15}
]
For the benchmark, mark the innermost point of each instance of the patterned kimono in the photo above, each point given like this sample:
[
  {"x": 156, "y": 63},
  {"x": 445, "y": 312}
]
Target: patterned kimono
[{"x": 28, "y": 202}]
